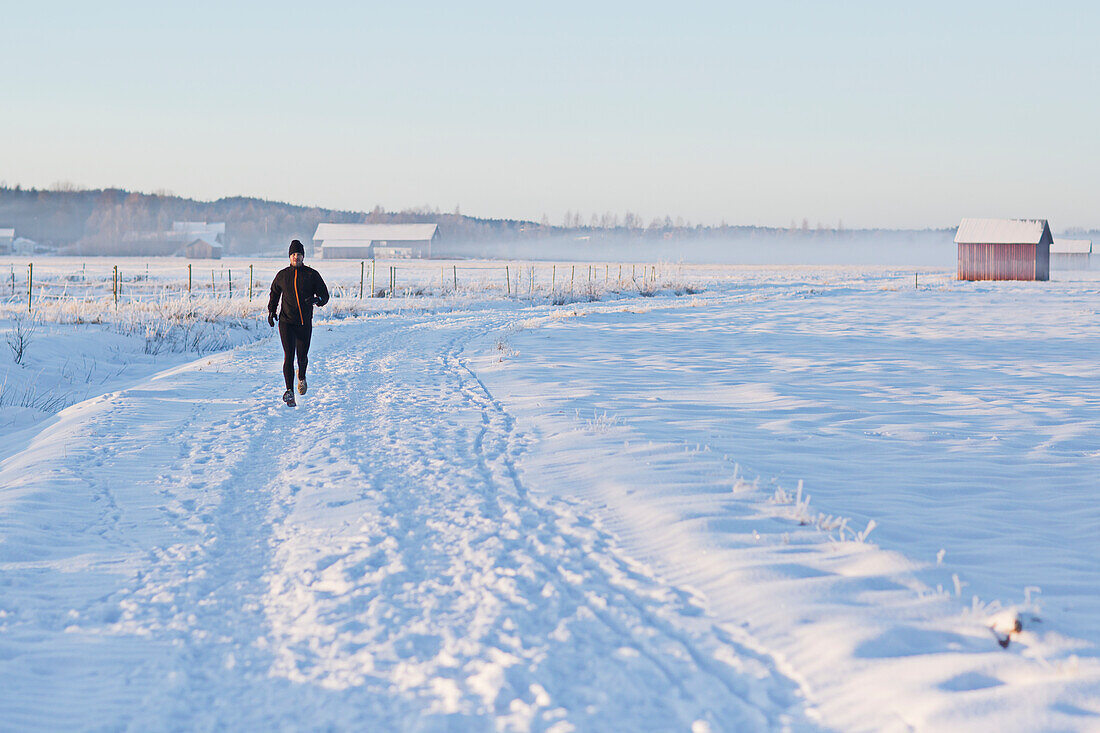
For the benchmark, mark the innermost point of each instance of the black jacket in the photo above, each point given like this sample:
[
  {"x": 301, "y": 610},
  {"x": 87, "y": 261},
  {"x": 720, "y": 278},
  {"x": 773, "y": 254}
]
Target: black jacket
[{"x": 296, "y": 287}]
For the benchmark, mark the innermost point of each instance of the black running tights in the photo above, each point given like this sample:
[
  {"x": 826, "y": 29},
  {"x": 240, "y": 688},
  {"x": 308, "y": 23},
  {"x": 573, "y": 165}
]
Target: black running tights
[{"x": 295, "y": 338}]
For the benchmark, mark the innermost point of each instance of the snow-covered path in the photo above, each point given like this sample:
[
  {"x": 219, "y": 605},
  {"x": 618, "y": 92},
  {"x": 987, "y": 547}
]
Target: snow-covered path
[{"x": 372, "y": 558}]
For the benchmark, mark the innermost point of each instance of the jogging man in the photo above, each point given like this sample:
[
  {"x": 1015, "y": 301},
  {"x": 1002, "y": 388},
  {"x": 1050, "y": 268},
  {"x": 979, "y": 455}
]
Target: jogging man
[{"x": 299, "y": 288}]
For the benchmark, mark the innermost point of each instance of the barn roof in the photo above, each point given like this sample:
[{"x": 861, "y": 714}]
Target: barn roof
[
  {"x": 374, "y": 232},
  {"x": 1071, "y": 247},
  {"x": 1001, "y": 231},
  {"x": 199, "y": 227}
]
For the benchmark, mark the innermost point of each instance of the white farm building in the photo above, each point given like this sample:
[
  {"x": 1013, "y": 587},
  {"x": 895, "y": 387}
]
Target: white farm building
[
  {"x": 375, "y": 241},
  {"x": 1070, "y": 254}
]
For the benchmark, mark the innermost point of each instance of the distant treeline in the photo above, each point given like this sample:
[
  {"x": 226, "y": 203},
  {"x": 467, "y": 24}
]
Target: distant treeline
[
  {"x": 109, "y": 221},
  {"x": 105, "y": 221}
]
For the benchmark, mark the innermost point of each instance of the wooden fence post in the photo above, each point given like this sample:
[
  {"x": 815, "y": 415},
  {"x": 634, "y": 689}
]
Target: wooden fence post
[
  {"x": 231, "y": 285},
  {"x": 30, "y": 283},
  {"x": 250, "y": 283},
  {"x": 362, "y": 269},
  {"x": 553, "y": 279},
  {"x": 189, "y": 279},
  {"x": 213, "y": 286},
  {"x": 454, "y": 273},
  {"x": 572, "y": 276},
  {"x": 373, "y": 267},
  {"x": 114, "y": 284},
  {"x": 507, "y": 280}
]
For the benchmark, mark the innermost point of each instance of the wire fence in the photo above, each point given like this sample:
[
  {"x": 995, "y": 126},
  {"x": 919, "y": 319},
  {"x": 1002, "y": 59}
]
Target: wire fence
[{"x": 131, "y": 282}]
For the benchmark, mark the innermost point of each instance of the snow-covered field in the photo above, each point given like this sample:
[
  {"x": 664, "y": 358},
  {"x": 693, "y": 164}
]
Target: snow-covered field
[{"x": 794, "y": 498}]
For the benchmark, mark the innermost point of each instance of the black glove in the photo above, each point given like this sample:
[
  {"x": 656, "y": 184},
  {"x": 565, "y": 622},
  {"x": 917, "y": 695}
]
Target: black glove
[
  {"x": 317, "y": 301},
  {"x": 271, "y": 319}
]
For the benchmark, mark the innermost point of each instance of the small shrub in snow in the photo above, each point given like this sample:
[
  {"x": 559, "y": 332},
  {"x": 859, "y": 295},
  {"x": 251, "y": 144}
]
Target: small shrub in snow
[
  {"x": 740, "y": 484},
  {"x": 503, "y": 350},
  {"x": 50, "y": 401},
  {"x": 600, "y": 422},
  {"x": 85, "y": 373},
  {"x": 801, "y": 513},
  {"x": 20, "y": 336}
]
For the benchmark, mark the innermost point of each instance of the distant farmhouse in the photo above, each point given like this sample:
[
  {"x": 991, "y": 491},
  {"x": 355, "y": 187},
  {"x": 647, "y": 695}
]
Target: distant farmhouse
[
  {"x": 179, "y": 240},
  {"x": 1070, "y": 254},
  {"x": 1004, "y": 249},
  {"x": 204, "y": 240},
  {"x": 13, "y": 245},
  {"x": 375, "y": 241},
  {"x": 201, "y": 249}
]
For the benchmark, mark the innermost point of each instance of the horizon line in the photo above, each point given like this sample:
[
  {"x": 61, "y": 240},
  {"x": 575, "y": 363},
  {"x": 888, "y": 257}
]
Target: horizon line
[{"x": 795, "y": 226}]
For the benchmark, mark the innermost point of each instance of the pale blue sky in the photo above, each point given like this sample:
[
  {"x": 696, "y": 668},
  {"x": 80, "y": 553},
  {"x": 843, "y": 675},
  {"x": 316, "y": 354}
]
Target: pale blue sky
[{"x": 756, "y": 114}]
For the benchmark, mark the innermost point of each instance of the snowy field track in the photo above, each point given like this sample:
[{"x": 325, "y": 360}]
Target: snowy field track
[
  {"x": 191, "y": 554},
  {"x": 796, "y": 501}
]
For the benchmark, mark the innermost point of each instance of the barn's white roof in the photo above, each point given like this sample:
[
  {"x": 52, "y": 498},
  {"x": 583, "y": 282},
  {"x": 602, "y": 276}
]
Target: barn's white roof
[
  {"x": 1000, "y": 231},
  {"x": 199, "y": 227},
  {"x": 7, "y": 233},
  {"x": 1071, "y": 247},
  {"x": 337, "y": 233}
]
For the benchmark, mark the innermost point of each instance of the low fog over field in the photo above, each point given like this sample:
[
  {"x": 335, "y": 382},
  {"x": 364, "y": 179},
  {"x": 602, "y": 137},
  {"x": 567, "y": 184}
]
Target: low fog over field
[
  {"x": 928, "y": 248},
  {"x": 118, "y": 223}
]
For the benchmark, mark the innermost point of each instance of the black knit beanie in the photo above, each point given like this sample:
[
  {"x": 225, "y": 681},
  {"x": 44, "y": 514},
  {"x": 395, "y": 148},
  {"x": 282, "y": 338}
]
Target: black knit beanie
[{"x": 296, "y": 246}]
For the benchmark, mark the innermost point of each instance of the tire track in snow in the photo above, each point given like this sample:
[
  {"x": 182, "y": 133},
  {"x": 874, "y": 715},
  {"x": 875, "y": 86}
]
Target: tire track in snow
[{"x": 494, "y": 411}]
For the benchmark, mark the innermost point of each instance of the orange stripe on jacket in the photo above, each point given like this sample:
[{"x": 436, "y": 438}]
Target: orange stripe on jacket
[{"x": 301, "y": 316}]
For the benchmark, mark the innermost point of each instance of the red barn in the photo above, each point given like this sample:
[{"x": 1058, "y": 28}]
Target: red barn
[{"x": 1004, "y": 249}]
